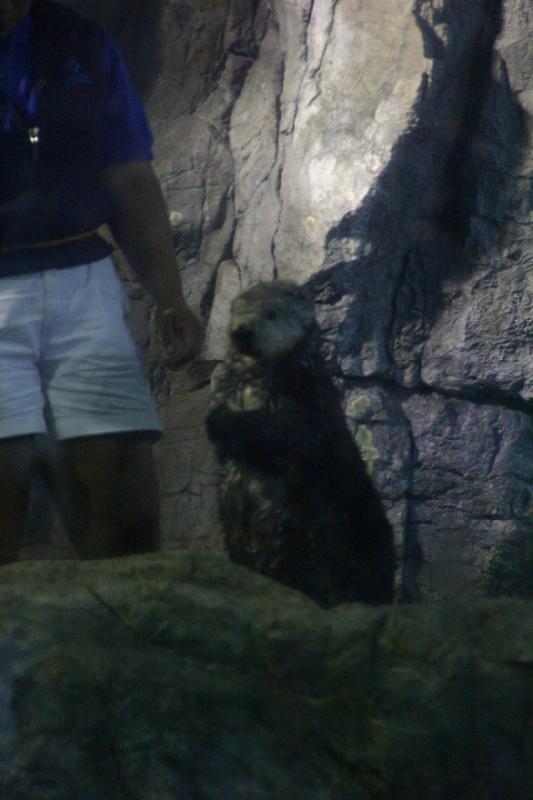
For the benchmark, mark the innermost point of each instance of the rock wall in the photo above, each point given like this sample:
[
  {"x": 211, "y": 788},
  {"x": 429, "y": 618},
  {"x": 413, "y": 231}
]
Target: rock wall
[
  {"x": 183, "y": 676},
  {"x": 381, "y": 153}
]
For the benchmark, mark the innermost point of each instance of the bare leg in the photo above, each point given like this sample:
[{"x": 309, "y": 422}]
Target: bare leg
[
  {"x": 108, "y": 495},
  {"x": 16, "y": 460}
]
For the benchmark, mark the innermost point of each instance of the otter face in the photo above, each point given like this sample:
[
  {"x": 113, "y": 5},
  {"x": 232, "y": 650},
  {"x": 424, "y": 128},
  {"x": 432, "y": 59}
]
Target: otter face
[{"x": 270, "y": 319}]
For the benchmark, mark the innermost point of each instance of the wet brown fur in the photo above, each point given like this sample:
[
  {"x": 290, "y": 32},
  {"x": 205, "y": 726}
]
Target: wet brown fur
[{"x": 296, "y": 502}]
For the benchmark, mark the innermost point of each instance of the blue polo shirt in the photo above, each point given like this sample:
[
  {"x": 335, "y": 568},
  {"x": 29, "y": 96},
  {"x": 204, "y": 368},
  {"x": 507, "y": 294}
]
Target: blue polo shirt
[{"x": 127, "y": 135}]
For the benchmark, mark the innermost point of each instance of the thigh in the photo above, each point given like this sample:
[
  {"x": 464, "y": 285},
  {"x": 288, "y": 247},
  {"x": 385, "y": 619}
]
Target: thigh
[
  {"x": 17, "y": 459},
  {"x": 92, "y": 372},
  {"x": 110, "y": 497},
  {"x": 110, "y": 460}
]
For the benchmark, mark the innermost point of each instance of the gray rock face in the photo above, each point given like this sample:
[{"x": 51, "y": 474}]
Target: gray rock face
[
  {"x": 379, "y": 152},
  {"x": 182, "y": 676}
]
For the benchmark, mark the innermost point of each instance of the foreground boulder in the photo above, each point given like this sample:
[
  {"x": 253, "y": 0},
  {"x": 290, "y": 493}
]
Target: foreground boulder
[{"x": 184, "y": 677}]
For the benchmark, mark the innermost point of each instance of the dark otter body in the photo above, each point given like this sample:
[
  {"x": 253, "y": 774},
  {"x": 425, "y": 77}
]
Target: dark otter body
[{"x": 295, "y": 499}]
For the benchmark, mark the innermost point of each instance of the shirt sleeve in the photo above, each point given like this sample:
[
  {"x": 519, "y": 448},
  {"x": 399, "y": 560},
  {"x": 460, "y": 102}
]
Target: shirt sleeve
[{"x": 127, "y": 135}]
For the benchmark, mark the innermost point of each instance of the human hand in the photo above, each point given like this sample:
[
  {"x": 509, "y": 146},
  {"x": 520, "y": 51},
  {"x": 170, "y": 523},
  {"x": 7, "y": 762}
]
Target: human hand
[{"x": 180, "y": 334}]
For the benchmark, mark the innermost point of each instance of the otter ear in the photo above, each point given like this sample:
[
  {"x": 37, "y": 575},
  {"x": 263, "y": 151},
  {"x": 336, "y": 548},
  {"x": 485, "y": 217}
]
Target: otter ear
[
  {"x": 294, "y": 289},
  {"x": 306, "y": 293}
]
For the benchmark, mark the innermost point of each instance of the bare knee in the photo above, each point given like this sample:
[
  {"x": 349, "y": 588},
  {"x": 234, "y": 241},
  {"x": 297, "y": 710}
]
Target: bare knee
[
  {"x": 17, "y": 456},
  {"x": 113, "y": 508}
]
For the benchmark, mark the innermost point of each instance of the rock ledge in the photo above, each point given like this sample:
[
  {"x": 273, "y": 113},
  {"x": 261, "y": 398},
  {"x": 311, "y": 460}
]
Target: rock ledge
[{"x": 184, "y": 676}]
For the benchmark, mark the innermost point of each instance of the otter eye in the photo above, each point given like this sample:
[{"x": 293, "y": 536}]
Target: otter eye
[{"x": 271, "y": 314}]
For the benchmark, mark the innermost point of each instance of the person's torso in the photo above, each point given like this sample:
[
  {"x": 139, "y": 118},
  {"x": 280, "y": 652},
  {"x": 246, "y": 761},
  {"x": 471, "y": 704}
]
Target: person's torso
[{"x": 52, "y": 94}]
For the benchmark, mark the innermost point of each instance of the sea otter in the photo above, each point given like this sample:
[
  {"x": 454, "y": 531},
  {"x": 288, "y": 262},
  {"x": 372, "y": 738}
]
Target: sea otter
[{"x": 296, "y": 501}]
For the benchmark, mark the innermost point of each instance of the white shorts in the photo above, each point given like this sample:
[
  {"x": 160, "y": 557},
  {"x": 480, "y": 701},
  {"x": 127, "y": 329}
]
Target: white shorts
[{"x": 68, "y": 363}]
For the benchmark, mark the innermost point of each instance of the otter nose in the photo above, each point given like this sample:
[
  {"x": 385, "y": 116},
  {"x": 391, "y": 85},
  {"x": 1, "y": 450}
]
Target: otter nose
[{"x": 243, "y": 338}]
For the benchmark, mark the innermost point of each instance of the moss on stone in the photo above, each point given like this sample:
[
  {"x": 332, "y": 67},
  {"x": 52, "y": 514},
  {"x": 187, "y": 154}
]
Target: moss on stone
[{"x": 365, "y": 442}]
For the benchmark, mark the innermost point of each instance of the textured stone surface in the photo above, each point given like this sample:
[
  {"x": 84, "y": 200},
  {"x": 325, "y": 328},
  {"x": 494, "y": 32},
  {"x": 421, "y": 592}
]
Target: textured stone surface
[
  {"x": 188, "y": 472},
  {"x": 182, "y": 676},
  {"x": 380, "y": 152}
]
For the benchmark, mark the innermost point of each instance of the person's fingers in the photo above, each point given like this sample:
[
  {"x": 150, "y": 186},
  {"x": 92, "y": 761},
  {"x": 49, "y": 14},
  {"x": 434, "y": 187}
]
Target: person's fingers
[
  {"x": 169, "y": 330},
  {"x": 181, "y": 336},
  {"x": 192, "y": 337}
]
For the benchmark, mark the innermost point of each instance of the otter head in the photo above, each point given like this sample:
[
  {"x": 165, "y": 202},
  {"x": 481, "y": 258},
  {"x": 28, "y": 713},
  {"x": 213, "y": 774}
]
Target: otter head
[{"x": 270, "y": 320}]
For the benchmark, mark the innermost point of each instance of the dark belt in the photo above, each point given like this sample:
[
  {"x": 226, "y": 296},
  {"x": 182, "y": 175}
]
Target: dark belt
[{"x": 52, "y": 243}]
